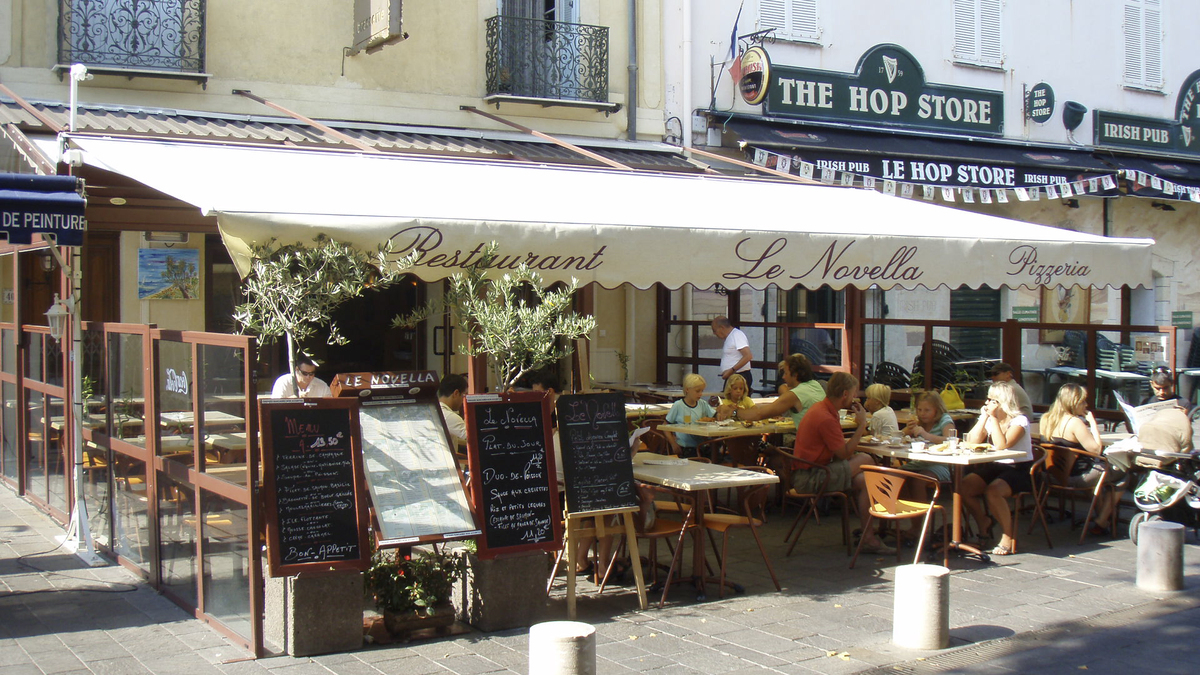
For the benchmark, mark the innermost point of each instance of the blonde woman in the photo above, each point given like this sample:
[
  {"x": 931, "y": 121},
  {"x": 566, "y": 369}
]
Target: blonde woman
[
  {"x": 1069, "y": 423},
  {"x": 736, "y": 393},
  {"x": 1003, "y": 425},
  {"x": 883, "y": 419}
]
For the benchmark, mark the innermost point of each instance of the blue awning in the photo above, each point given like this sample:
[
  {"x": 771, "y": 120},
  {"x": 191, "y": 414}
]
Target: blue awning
[{"x": 49, "y": 205}]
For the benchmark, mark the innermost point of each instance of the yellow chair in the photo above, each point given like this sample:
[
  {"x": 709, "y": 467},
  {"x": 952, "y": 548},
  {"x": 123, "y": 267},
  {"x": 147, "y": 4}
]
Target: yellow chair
[
  {"x": 884, "y": 486},
  {"x": 750, "y": 499}
]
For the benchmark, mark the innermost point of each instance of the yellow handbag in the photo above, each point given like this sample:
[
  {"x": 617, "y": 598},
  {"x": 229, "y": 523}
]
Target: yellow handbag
[{"x": 952, "y": 398}]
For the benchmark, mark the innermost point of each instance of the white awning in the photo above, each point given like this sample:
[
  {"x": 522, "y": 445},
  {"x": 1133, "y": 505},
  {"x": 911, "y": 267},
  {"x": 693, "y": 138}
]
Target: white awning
[{"x": 613, "y": 227}]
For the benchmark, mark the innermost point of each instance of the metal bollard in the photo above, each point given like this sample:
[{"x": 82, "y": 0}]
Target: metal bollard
[
  {"x": 1160, "y": 556},
  {"x": 921, "y": 613},
  {"x": 562, "y": 648}
]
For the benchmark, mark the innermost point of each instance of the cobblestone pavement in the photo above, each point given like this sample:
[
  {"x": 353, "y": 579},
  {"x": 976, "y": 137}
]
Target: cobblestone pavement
[{"x": 1057, "y": 610}]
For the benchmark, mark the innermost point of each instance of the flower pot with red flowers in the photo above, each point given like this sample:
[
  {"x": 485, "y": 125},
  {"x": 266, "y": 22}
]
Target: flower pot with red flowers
[{"x": 412, "y": 590}]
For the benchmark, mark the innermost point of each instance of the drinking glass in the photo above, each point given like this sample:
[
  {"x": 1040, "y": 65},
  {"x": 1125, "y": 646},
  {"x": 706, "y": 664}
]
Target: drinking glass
[
  {"x": 952, "y": 439},
  {"x": 687, "y": 419}
]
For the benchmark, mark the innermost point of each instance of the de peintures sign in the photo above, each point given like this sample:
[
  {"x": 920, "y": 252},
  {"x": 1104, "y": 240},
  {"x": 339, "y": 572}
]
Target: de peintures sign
[{"x": 887, "y": 88}]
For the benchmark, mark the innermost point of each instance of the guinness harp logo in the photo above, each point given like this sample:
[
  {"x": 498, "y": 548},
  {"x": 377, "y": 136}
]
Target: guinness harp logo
[{"x": 889, "y": 67}]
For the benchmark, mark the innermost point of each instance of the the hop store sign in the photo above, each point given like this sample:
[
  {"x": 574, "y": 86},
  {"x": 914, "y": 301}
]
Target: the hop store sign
[{"x": 888, "y": 88}]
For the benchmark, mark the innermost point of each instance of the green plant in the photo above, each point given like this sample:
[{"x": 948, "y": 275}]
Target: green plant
[
  {"x": 917, "y": 379},
  {"x": 400, "y": 583},
  {"x": 513, "y": 319},
  {"x": 623, "y": 358},
  {"x": 293, "y": 290}
]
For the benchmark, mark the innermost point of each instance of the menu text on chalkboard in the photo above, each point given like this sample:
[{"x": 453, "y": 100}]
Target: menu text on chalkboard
[
  {"x": 597, "y": 466},
  {"x": 312, "y": 466},
  {"x": 512, "y": 472}
]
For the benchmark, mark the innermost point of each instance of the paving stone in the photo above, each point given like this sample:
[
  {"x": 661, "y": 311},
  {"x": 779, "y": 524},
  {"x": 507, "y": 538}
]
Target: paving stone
[{"x": 121, "y": 666}]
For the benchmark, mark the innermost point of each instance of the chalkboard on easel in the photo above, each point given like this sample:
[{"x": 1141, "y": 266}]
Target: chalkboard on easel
[
  {"x": 312, "y": 468},
  {"x": 597, "y": 467},
  {"x": 513, "y": 479}
]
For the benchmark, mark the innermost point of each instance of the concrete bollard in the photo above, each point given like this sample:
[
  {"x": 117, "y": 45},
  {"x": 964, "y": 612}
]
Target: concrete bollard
[
  {"x": 562, "y": 648},
  {"x": 1160, "y": 556},
  {"x": 921, "y": 613}
]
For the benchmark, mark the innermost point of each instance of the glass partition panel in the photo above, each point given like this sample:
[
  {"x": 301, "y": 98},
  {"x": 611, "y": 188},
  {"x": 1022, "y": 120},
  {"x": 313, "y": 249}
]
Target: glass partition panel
[
  {"x": 95, "y": 384},
  {"x": 1041, "y": 374},
  {"x": 1123, "y": 369},
  {"x": 33, "y": 357},
  {"x": 10, "y": 440},
  {"x": 222, "y": 395},
  {"x": 225, "y": 545},
  {"x": 131, "y": 519},
  {"x": 126, "y": 388},
  {"x": 97, "y": 488},
  {"x": 57, "y": 455},
  {"x": 35, "y": 445},
  {"x": 53, "y": 361},
  {"x": 175, "y": 389},
  {"x": 177, "y": 528},
  {"x": 8, "y": 350}
]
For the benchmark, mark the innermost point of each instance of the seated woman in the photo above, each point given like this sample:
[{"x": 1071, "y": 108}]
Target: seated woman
[
  {"x": 1071, "y": 424},
  {"x": 1001, "y": 423},
  {"x": 883, "y": 419},
  {"x": 690, "y": 409},
  {"x": 736, "y": 393}
]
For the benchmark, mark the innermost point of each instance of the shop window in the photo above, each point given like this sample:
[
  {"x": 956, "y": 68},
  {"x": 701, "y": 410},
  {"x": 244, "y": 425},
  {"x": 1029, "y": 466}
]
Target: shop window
[
  {"x": 977, "y": 32},
  {"x": 792, "y": 19},
  {"x": 1143, "y": 34},
  {"x": 967, "y": 304}
]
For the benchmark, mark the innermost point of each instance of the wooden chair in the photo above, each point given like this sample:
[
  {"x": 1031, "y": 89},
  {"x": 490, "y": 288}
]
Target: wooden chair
[
  {"x": 1037, "y": 481},
  {"x": 749, "y": 500},
  {"x": 808, "y": 501},
  {"x": 667, "y": 529},
  {"x": 658, "y": 442},
  {"x": 733, "y": 450},
  {"x": 884, "y": 486},
  {"x": 1060, "y": 461}
]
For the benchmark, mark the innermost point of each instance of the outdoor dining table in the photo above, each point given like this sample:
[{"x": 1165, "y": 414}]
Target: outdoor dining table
[
  {"x": 693, "y": 480},
  {"x": 727, "y": 430},
  {"x": 957, "y": 461}
]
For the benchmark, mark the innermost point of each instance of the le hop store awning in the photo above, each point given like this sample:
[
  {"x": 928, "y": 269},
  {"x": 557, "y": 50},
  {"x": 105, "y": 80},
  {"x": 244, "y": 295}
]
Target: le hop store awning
[
  {"x": 612, "y": 227},
  {"x": 49, "y": 205}
]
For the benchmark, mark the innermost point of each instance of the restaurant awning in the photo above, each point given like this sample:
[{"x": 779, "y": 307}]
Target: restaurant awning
[
  {"x": 612, "y": 227},
  {"x": 33, "y": 204},
  {"x": 1157, "y": 177}
]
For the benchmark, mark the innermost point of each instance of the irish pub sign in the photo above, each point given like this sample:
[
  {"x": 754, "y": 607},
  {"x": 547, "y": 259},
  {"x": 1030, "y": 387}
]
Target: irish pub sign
[{"x": 888, "y": 88}]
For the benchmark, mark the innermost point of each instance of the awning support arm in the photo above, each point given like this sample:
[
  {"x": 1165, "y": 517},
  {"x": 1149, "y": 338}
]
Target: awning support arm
[
  {"x": 324, "y": 128},
  {"x": 752, "y": 167},
  {"x": 41, "y": 117},
  {"x": 547, "y": 137}
]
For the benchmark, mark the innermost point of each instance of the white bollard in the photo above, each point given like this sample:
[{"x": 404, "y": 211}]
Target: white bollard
[
  {"x": 562, "y": 648},
  {"x": 1160, "y": 556},
  {"x": 921, "y": 614}
]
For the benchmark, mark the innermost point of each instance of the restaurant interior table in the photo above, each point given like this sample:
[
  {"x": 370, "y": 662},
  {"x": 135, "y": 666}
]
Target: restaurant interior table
[
  {"x": 212, "y": 418},
  {"x": 693, "y": 480},
  {"x": 734, "y": 428},
  {"x": 957, "y": 461}
]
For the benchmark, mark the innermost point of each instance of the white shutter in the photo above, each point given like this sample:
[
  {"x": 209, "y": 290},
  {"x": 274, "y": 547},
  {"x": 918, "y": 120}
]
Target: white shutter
[
  {"x": 978, "y": 37},
  {"x": 1133, "y": 42},
  {"x": 791, "y": 19},
  {"x": 1152, "y": 58},
  {"x": 1143, "y": 43}
]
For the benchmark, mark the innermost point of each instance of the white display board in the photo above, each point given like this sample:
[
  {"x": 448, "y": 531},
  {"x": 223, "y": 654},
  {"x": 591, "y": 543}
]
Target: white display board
[{"x": 412, "y": 474}]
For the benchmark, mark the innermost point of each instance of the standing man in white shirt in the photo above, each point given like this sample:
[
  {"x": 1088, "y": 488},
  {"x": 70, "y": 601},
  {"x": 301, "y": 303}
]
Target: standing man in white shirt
[
  {"x": 451, "y": 392},
  {"x": 736, "y": 354},
  {"x": 305, "y": 379}
]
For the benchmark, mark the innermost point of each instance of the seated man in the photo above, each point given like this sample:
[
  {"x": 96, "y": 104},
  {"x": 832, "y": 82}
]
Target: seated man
[
  {"x": 1002, "y": 372},
  {"x": 451, "y": 392},
  {"x": 819, "y": 440},
  {"x": 306, "y": 380},
  {"x": 1162, "y": 388},
  {"x": 1169, "y": 430}
]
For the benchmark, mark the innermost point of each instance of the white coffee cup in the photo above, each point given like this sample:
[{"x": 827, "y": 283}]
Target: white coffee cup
[{"x": 918, "y": 446}]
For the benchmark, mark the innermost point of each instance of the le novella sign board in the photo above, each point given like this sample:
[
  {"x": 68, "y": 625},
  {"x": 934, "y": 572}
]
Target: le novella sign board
[{"x": 887, "y": 88}]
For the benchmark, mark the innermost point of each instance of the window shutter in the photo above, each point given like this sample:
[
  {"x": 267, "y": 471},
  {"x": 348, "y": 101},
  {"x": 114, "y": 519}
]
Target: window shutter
[
  {"x": 1133, "y": 42},
  {"x": 965, "y": 43},
  {"x": 991, "y": 49},
  {"x": 1143, "y": 43},
  {"x": 804, "y": 19},
  {"x": 773, "y": 14},
  {"x": 1152, "y": 21},
  {"x": 791, "y": 19}
]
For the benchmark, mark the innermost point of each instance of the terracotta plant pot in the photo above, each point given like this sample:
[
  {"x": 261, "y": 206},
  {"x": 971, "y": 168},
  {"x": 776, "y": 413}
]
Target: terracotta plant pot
[{"x": 438, "y": 616}]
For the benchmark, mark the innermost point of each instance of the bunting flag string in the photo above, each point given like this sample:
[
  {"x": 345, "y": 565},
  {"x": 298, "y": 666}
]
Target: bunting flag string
[{"x": 795, "y": 164}]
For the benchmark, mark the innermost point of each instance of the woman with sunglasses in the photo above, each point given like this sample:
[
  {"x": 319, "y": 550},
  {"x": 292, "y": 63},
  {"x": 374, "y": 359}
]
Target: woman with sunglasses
[
  {"x": 304, "y": 383},
  {"x": 1002, "y": 423}
]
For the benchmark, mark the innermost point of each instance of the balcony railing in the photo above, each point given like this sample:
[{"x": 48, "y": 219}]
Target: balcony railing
[
  {"x": 547, "y": 59},
  {"x": 134, "y": 35}
]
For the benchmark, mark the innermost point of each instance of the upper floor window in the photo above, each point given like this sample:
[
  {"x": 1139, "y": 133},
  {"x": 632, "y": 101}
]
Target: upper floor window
[
  {"x": 791, "y": 19},
  {"x": 1143, "y": 44},
  {"x": 133, "y": 35},
  {"x": 977, "y": 34}
]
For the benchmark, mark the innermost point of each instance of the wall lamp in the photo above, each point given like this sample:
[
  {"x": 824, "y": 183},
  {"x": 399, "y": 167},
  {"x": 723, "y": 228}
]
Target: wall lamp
[
  {"x": 57, "y": 317},
  {"x": 1161, "y": 206},
  {"x": 46, "y": 261}
]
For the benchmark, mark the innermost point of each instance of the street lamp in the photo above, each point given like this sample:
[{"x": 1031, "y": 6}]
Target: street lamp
[{"x": 57, "y": 317}]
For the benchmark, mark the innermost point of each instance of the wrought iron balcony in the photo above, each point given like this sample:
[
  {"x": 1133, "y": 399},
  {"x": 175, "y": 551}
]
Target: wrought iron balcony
[
  {"x": 536, "y": 58},
  {"x": 133, "y": 35}
]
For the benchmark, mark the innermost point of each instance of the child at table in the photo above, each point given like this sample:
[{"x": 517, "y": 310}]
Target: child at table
[
  {"x": 737, "y": 393},
  {"x": 690, "y": 409},
  {"x": 883, "y": 419}
]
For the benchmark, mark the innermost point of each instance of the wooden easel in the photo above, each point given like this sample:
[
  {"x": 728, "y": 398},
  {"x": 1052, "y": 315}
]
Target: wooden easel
[{"x": 576, "y": 531}]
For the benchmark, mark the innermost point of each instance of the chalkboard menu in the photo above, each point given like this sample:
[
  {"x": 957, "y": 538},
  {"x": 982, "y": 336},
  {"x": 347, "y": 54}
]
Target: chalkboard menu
[
  {"x": 512, "y": 472},
  {"x": 412, "y": 473},
  {"x": 311, "y": 469},
  {"x": 597, "y": 466}
]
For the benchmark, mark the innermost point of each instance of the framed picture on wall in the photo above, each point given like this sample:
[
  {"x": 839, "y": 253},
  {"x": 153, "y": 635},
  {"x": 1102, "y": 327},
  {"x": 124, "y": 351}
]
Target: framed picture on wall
[
  {"x": 168, "y": 274},
  {"x": 1063, "y": 305}
]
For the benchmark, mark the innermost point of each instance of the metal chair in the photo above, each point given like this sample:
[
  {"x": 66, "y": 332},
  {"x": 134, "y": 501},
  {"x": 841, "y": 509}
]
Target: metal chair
[
  {"x": 893, "y": 375},
  {"x": 884, "y": 486},
  {"x": 1060, "y": 463},
  {"x": 749, "y": 499},
  {"x": 785, "y": 461}
]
